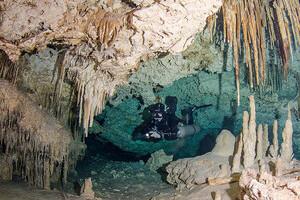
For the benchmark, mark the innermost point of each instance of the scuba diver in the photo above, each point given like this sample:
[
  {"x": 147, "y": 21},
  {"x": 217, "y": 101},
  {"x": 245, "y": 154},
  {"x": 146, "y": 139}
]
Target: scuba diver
[
  {"x": 162, "y": 122},
  {"x": 187, "y": 113}
]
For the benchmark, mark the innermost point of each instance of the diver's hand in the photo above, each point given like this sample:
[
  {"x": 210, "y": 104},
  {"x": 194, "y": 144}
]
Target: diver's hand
[{"x": 153, "y": 134}]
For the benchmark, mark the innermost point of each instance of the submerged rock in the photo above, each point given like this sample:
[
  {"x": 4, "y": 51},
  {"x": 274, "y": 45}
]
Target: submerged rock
[
  {"x": 87, "y": 190},
  {"x": 195, "y": 171},
  {"x": 158, "y": 159},
  {"x": 224, "y": 144}
]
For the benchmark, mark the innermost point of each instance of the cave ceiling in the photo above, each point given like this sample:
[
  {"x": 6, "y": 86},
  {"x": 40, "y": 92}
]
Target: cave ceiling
[{"x": 99, "y": 43}]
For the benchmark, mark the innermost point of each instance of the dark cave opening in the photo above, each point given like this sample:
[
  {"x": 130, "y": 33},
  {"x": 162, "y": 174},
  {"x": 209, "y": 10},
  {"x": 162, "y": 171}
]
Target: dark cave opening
[{"x": 97, "y": 146}]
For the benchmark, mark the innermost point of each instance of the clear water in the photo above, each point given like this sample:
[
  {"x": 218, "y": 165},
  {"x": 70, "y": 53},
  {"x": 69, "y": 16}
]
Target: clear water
[{"x": 119, "y": 175}]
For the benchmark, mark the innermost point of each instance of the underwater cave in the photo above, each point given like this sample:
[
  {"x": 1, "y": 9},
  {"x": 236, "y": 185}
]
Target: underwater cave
[{"x": 149, "y": 100}]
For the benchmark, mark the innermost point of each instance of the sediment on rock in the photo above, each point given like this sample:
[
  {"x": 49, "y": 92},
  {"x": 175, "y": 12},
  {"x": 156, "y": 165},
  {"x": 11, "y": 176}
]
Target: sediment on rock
[{"x": 33, "y": 145}]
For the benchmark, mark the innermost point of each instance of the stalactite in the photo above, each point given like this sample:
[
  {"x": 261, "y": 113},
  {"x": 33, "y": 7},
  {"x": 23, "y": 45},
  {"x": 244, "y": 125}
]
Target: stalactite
[
  {"x": 59, "y": 67},
  {"x": 94, "y": 83},
  {"x": 37, "y": 144},
  {"x": 8, "y": 69},
  {"x": 101, "y": 54},
  {"x": 93, "y": 86},
  {"x": 258, "y": 24}
]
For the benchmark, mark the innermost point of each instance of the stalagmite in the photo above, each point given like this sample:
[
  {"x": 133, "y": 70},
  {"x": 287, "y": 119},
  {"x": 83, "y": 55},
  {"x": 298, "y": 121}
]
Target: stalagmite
[
  {"x": 283, "y": 182},
  {"x": 246, "y": 145},
  {"x": 286, "y": 150},
  {"x": 261, "y": 166},
  {"x": 259, "y": 144},
  {"x": 274, "y": 147},
  {"x": 87, "y": 189},
  {"x": 249, "y": 135},
  {"x": 279, "y": 167},
  {"x": 236, "y": 163},
  {"x": 266, "y": 143}
]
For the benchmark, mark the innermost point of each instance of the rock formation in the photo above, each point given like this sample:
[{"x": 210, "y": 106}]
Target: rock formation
[
  {"x": 224, "y": 144},
  {"x": 250, "y": 152},
  {"x": 259, "y": 144},
  {"x": 259, "y": 148},
  {"x": 194, "y": 171},
  {"x": 33, "y": 145},
  {"x": 256, "y": 186},
  {"x": 286, "y": 150},
  {"x": 158, "y": 159},
  {"x": 246, "y": 147},
  {"x": 236, "y": 162},
  {"x": 87, "y": 192},
  {"x": 102, "y": 43},
  {"x": 265, "y": 142},
  {"x": 249, "y": 135},
  {"x": 274, "y": 147}
]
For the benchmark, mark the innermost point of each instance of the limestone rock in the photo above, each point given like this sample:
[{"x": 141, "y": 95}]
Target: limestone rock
[
  {"x": 266, "y": 143},
  {"x": 268, "y": 186},
  {"x": 158, "y": 159},
  {"x": 286, "y": 150},
  {"x": 87, "y": 190},
  {"x": 236, "y": 163},
  {"x": 217, "y": 196},
  {"x": 224, "y": 144},
  {"x": 38, "y": 143},
  {"x": 259, "y": 144},
  {"x": 274, "y": 147},
  {"x": 249, "y": 135},
  {"x": 134, "y": 35},
  {"x": 6, "y": 168},
  {"x": 194, "y": 171},
  {"x": 252, "y": 144}
]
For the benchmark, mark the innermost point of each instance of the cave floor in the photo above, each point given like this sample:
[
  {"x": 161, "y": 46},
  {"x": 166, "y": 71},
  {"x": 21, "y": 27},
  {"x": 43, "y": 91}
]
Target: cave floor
[
  {"x": 203, "y": 192},
  {"x": 122, "y": 180},
  {"x": 19, "y": 190},
  {"x": 117, "y": 174}
]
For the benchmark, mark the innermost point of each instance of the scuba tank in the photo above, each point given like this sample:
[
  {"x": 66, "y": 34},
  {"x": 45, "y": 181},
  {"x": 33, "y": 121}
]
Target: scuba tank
[{"x": 187, "y": 114}]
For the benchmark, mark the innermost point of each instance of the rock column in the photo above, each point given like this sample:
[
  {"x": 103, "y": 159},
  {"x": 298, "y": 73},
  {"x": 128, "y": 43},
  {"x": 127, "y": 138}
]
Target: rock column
[{"x": 286, "y": 151}]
